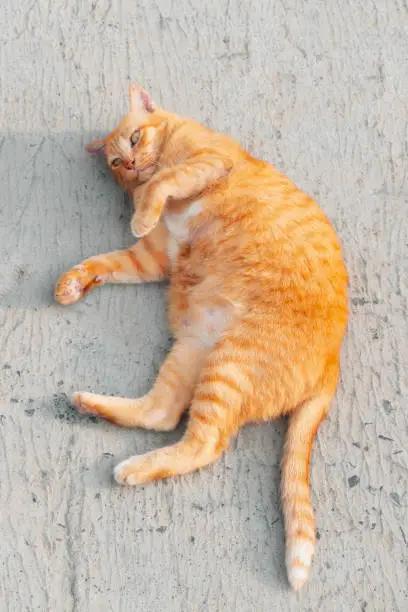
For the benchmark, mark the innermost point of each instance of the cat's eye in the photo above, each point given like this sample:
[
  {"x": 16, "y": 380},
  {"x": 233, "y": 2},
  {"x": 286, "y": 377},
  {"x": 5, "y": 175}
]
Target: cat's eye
[
  {"x": 116, "y": 162},
  {"x": 134, "y": 139}
]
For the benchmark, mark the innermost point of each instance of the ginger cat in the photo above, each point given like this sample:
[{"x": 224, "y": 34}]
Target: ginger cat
[{"x": 257, "y": 302}]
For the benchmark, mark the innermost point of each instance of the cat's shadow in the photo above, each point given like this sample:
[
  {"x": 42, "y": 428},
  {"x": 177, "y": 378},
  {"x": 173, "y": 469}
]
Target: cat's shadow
[
  {"x": 68, "y": 207},
  {"x": 135, "y": 441},
  {"x": 261, "y": 546},
  {"x": 263, "y": 531},
  {"x": 101, "y": 469}
]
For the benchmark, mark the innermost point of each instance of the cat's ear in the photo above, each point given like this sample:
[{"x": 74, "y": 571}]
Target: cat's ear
[
  {"x": 140, "y": 99},
  {"x": 96, "y": 146}
]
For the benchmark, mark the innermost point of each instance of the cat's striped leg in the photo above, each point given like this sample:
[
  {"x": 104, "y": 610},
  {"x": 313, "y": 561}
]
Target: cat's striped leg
[
  {"x": 162, "y": 408},
  {"x": 215, "y": 416},
  {"x": 146, "y": 261}
]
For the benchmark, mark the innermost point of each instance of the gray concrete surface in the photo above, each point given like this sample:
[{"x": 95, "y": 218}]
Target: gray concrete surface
[{"x": 320, "y": 89}]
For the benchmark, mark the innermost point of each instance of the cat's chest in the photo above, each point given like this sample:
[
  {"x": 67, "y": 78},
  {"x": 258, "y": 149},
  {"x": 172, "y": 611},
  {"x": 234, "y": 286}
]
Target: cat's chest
[{"x": 179, "y": 227}]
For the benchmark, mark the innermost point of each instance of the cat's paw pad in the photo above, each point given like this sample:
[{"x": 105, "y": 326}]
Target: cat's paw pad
[
  {"x": 126, "y": 472},
  {"x": 72, "y": 285}
]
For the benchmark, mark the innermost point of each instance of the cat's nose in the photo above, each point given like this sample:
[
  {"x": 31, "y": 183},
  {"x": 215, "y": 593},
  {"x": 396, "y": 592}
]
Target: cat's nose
[{"x": 130, "y": 165}]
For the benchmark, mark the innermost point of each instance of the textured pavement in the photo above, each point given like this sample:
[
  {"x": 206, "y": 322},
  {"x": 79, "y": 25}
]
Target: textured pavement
[{"x": 320, "y": 90}]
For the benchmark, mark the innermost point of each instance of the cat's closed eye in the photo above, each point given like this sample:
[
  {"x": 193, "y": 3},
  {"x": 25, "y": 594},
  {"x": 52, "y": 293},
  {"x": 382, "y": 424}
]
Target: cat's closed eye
[
  {"x": 116, "y": 162},
  {"x": 135, "y": 137}
]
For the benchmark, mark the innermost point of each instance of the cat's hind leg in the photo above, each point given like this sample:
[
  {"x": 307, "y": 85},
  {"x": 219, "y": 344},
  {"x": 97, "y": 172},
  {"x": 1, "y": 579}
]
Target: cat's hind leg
[
  {"x": 215, "y": 416},
  {"x": 163, "y": 406}
]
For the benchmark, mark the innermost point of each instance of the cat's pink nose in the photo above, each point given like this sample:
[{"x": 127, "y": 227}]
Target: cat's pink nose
[{"x": 130, "y": 165}]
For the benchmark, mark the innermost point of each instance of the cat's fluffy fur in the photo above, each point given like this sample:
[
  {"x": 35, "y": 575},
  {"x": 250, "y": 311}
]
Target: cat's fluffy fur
[{"x": 257, "y": 302}]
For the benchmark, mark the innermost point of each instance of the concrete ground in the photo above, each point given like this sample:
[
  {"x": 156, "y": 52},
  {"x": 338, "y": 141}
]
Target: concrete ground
[{"x": 319, "y": 89}]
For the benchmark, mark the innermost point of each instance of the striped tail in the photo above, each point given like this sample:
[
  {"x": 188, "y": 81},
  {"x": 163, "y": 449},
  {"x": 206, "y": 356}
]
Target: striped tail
[{"x": 297, "y": 507}]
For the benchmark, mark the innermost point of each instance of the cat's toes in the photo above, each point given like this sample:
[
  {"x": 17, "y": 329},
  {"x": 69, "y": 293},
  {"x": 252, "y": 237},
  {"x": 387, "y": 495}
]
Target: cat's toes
[
  {"x": 138, "y": 228},
  {"x": 140, "y": 469},
  {"x": 85, "y": 403},
  {"x": 72, "y": 286},
  {"x": 126, "y": 472}
]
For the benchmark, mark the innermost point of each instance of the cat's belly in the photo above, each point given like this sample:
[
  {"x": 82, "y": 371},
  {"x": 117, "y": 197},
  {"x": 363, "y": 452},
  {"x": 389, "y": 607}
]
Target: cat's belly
[
  {"x": 177, "y": 224},
  {"x": 202, "y": 323},
  {"x": 173, "y": 247},
  {"x": 196, "y": 310}
]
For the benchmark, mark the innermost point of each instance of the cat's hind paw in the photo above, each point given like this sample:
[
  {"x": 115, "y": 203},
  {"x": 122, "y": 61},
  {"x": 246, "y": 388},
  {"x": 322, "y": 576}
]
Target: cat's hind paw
[
  {"x": 85, "y": 403},
  {"x": 140, "y": 469},
  {"x": 125, "y": 473}
]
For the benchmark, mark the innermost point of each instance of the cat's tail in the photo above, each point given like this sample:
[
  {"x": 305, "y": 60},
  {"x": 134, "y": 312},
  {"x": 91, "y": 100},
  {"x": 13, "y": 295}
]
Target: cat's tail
[{"x": 296, "y": 503}]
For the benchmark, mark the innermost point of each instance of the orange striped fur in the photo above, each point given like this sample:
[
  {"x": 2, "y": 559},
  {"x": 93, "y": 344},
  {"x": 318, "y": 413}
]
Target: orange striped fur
[{"x": 257, "y": 302}]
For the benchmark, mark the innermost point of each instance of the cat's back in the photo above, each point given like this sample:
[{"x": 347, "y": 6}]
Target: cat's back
[
  {"x": 269, "y": 197},
  {"x": 280, "y": 235}
]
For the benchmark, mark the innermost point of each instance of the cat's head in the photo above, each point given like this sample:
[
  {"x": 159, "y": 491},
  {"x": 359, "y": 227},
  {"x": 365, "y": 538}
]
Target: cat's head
[{"x": 132, "y": 150}]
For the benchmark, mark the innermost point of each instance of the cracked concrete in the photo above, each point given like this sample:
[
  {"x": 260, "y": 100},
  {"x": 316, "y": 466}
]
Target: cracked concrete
[{"x": 319, "y": 89}]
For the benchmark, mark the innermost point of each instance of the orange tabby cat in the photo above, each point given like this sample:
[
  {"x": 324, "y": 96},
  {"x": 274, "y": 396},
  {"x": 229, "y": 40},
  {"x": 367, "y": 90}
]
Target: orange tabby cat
[{"x": 257, "y": 302}]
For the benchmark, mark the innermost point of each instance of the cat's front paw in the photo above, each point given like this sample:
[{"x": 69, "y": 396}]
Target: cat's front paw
[
  {"x": 74, "y": 285},
  {"x": 140, "y": 225},
  {"x": 148, "y": 210}
]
